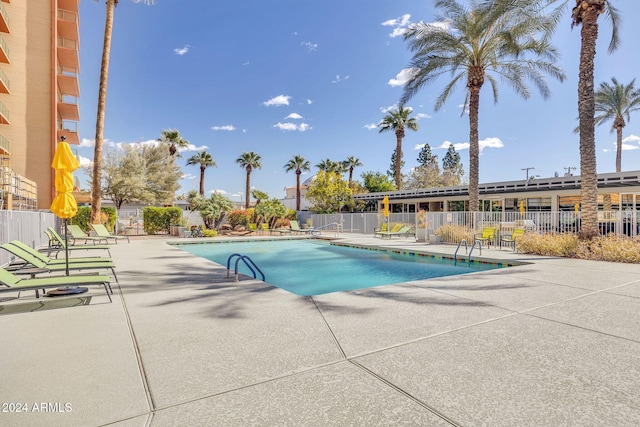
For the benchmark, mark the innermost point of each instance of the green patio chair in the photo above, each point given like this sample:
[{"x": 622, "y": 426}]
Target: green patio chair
[
  {"x": 33, "y": 265},
  {"x": 102, "y": 232},
  {"x": 488, "y": 235},
  {"x": 77, "y": 234},
  {"x": 511, "y": 239},
  {"x": 295, "y": 228},
  {"x": 393, "y": 230},
  {"x": 11, "y": 282},
  {"x": 56, "y": 244},
  {"x": 48, "y": 260}
]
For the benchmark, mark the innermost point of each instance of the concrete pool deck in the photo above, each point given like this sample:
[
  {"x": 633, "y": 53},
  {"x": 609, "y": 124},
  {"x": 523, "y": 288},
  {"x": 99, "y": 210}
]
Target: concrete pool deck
[{"x": 553, "y": 342}]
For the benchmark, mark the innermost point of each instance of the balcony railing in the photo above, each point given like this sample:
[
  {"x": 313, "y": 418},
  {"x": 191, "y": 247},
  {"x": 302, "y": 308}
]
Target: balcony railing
[
  {"x": 4, "y": 114},
  {"x": 67, "y": 43},
  {"x": 4, "y": 20},
  {"x": 4, "y": 51},
  {"x": 68, "y": 71},
  {"x": 65, "y": 15},
  {"x": 5, "y": 84},
  {"x": 4, "y": 145}
]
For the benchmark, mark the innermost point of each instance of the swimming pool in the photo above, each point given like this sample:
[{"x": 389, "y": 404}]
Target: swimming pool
[{"x": 311, "y": 267}]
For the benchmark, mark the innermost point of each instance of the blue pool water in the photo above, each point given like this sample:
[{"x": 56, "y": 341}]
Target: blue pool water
[{"x": 308, "y": 267}]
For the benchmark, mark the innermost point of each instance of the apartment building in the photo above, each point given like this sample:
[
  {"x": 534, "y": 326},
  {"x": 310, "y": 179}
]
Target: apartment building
[{"x": 39, "y": 66}]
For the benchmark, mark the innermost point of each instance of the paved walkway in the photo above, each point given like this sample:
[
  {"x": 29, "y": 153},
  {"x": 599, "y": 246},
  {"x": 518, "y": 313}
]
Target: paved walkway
[{"x": 555, "y": 342}]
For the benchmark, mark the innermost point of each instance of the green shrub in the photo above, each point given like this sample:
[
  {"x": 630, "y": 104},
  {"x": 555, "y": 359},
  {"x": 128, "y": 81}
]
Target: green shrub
[
  {"x": 209, "y": 233},
  {"x": 83, "y": 217},
  {"x": 239, "y": 217},
  {"x": 160, "y": 219},
  {"x": 455, "y": 233},
  {"x": 601, "y": 248}
]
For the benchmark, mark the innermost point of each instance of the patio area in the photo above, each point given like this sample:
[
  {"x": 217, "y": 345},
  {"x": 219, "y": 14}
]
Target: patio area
[{"x": 552, "y": 342}]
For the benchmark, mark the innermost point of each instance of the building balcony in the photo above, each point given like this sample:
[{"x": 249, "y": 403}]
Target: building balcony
[
  {"x": 67, "y": 85},
  {"x": 70, "y": 5},
  {"x": 68, "y": 129},
  {"x": 67, "y": 24},
  {"x": 4, "y": 20},
  {"x": 68, "y": 108},
  {"x": 4, "y": 51},
  {"x": 4, "y": 145},
  {"x": 67, "y": 53},
  {"x": 5, "y": 85},
  {"x": 4, "y": 114}
]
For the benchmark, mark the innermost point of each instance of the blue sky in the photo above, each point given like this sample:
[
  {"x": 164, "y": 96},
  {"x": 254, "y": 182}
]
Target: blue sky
[{"x": 314, "y": 78}]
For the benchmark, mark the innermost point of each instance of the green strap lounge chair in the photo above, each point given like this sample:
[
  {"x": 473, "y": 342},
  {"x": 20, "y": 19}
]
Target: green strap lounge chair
[
  {"x": 11, "y": 282},
  {"x": 102, "y": 232},
  {"x": 78, "y": 235},
  {"x": 56, "y": 243},
  {"x": 393, "y": 230},
  {"x": 34, "y": 266},
  {"x": 404, "y": 230},
  {"x": 295, "y": 229},
  {"x": 48, "y": 260}
]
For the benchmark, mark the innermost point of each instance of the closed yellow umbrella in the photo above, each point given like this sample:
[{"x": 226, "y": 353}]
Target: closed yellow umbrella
[
  {"x": 64, "y": 204},
  {"x": 385, "y": 208}
]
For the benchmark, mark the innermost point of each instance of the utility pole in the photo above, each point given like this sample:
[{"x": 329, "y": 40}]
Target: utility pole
[
  {"x": 568, "y": 170},
  {"x": 527, "y": 169}
]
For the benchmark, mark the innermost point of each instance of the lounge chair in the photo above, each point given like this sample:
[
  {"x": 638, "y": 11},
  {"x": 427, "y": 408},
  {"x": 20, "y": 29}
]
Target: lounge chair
[
  {"x": 253, "y": 227},
  {"x": 56, "y": 243},
  {"x": 488, "y": 235},
  {"x": 394, "y": 230},
  {"x": 295, "y": 228},
  {"x": 404, "y": 230},
  {"x": 48, "y": 260},
  {"x": 511, "y": 239},
  {"x": 11, "y": 282},
  {"x": 102, "y": 232},
  {"x": 34, "y": 265},
  {"x": 383, "y": 227},
  {"x": 77, "y": 235}
]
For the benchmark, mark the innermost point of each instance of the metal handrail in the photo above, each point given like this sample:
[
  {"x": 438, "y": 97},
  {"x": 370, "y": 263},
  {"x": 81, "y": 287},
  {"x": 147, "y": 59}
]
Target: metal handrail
[
  {"x": 466, "y": 249},
  {"x": 473, "y": 246},
  {"x": 247, "y": 261}
]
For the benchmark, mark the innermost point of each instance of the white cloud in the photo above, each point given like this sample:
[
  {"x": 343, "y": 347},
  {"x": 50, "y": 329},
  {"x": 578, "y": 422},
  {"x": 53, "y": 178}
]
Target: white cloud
[
  {"x": 293, "y": 116},
  {"x": 182, "y": 51},
  {"x": 402, "y": 77},
  {"x": 370, "y": 126},
  {"x": 394, "y": 107},
  {"x": 633, "y": 139},
  {"x": 310, "y": 46},
  {"x": 483, "y": 143},
  {"x": 192, "y": 147},
  {"x": 85, "y": 162},
  {"x": 218, "y": 191},
  {"x": 188, "y": 176},
  {"x": 422, "y": 116},
  {"x": 338, "y": 79},
  {"x": 244, "y": 64},
  {"x": 302, "y": 127},
  {"x": 419, "y": 146},
  {"x": 399, "y": 25},
  {"x": 86, "y": 142},
  {"x": 309, "y": 102},
  {"x": 277, "y": 101},
  {"x": 224, "y": 127}
]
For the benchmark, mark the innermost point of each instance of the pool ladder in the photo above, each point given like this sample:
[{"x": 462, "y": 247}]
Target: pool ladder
[
  {"x": 466, "y": 248},
  {"x": 247, "y": 261}
]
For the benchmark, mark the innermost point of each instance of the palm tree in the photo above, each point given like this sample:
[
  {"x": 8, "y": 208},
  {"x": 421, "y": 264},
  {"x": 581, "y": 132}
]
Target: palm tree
[
  {"x": 298, "y": 164},
  {"x": 614, "y": 102},
  {"x": 174, "y": 140},
  {"x": 205, "y": 160},
  {"x": 586, "y": 14},
  {"x": 249, "y": 161},
  {"x": 350, "y": 164},
  {"x": 507, "y": 38},
  {"x": 328, "y": 165},
  {"x": 397, "y": 121},
  {"x": 96, "y": 181}
]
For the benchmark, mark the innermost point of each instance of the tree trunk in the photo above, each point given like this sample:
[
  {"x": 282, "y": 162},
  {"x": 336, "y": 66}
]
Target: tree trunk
[
  {"x": 298, "y": 172},
  {"x": 247, "y": 188},
  {"x": 399, "y": 136},
  {"x": 619, "y": 148},
  {"x": 202, "y": 168},
  {"x": 474, "y": 148},
  {"x": 586, "y": 115},
  {"x": 96, "y": 183}
]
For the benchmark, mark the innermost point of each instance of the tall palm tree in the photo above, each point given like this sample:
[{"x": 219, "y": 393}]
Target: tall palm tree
[
  {"x": 507, "y": 38},
  {"x": 174, "y": 140},
  {"x": 614, "y": 102},
  {"x": 586, "y": 15},
  {"x": 297, "y": 164},
  {"x": 328, "y": 165},
  {"x": 397, "y": 121},
  {"x": 205, "y": 160},
  {"x": 350, "y": 164},
  {"x": 96, "y": 181},
  {"x": 249, "y": 161}
]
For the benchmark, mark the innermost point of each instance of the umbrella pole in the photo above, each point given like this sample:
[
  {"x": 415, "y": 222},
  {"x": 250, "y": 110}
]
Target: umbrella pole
[{"x": 66, "y": 246}]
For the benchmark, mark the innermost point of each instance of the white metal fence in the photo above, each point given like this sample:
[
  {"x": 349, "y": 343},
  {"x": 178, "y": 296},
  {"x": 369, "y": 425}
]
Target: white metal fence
[{"x": 26, "y": 226}]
